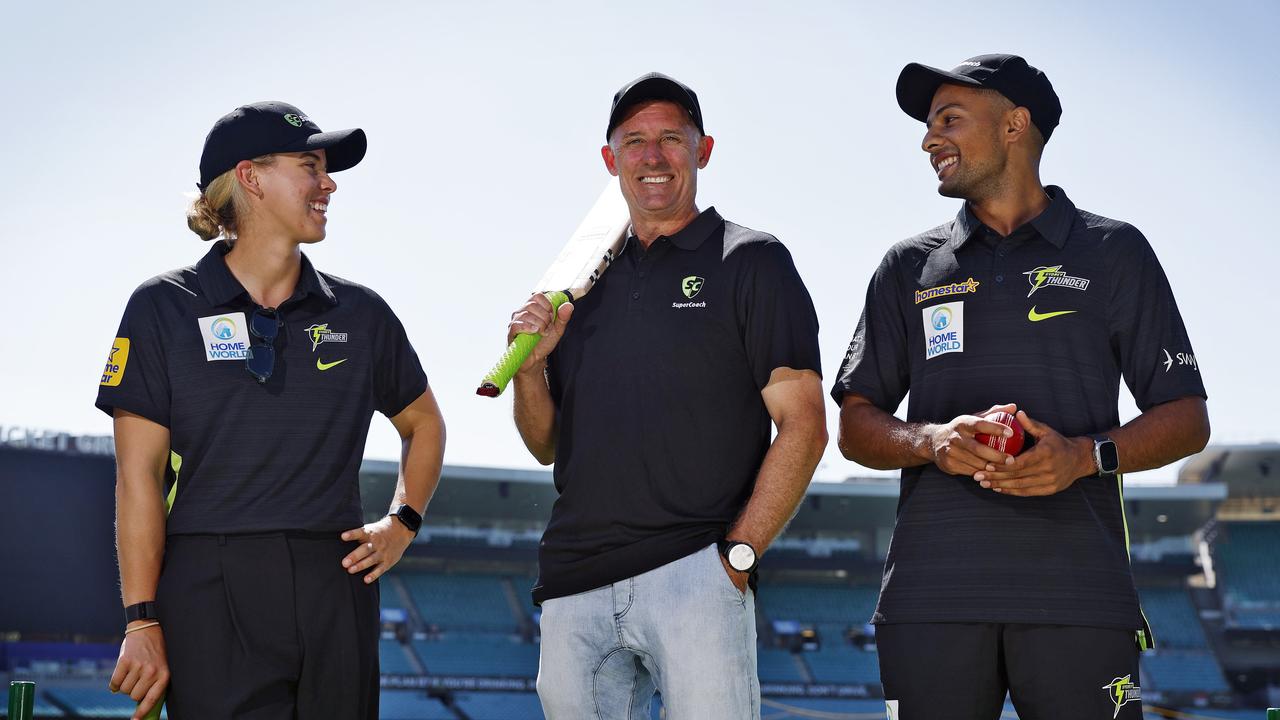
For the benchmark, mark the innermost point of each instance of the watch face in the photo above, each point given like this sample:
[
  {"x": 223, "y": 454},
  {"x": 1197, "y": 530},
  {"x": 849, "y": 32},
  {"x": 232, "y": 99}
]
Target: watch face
[
  {"x": 741, "y": 557},
  {"x": 1108, "y": 457}
]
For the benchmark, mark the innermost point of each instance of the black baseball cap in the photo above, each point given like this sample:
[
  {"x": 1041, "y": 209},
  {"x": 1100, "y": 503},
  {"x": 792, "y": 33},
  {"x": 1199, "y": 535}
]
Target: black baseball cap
[
  {"x": 1008, "y": 75},
  {"x": 654, "y": 86},
  {"x": 263, "y": 128}
]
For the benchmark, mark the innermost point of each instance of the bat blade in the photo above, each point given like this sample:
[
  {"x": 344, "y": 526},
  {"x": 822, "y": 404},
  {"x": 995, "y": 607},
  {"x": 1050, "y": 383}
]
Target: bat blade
[{"x": 589, "y": 252}]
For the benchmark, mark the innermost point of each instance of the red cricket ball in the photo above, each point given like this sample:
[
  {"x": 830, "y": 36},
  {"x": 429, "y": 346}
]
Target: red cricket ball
[{"x": 1012, "y": 444}]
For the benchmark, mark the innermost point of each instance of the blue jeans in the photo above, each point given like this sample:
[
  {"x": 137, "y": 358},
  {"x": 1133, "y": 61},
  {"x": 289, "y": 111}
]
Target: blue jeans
[{"x": 682, "y": 629}]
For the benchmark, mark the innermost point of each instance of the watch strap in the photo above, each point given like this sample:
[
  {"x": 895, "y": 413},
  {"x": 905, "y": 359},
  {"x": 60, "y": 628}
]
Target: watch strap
[
  {"x": 141, "y": 611},
  {"x": 409, "y": 517}
]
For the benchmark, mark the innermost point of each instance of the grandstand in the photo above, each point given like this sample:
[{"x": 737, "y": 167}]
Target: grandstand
[{"x": 460, "y": 636}]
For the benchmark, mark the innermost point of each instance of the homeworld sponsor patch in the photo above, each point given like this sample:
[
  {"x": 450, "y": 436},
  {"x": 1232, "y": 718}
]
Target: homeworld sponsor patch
[
  {"x": 942, "y": 291},
  {"x": 320, "y": 333},
  {"x": 113, "y": 373},
  {"x": 226, "y": 337},
  {"x": 943, "y": 329},
  {"x": 1053, "y": 276},
  {"x": 1121, "y": 691}
]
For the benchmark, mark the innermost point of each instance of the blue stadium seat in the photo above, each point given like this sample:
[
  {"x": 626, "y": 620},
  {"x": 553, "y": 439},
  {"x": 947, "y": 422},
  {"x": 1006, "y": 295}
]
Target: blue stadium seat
[
  {"x": 392, "y": 658},
  {"x": 411, "y": 705},
  {"x": 842, "y": 663},
  {"x": 95, "y": 703},
  {"x": 462, "y": 602},
  {"x": 1174, "y": 670},
  {"x": 500, "y": 705},
  {"x": 777, "y": 666},
  {"x": 479, "y": 655},
  {"x": 1173, "y": 618},
  {"x": 1247, "y": 561},
  {"x": 839, "y": 604}
]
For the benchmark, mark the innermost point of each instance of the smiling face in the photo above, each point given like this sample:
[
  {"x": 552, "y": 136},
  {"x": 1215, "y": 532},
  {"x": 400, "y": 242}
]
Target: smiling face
[
  {"x": 965, "y": 140},
  {"x": 656, "y": 152},
  {"x": 295, "y": 196}
]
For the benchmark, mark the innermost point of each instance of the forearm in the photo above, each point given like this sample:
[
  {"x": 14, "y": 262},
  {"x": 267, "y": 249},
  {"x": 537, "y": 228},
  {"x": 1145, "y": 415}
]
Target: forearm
[
  {"x": 876, "y": 439},
  {"x": 421, "y": 459},
  {"x": 781, "y": 482},
  {"x": 140, "y": 525},
  {"x": 1163, "y": 434},
  {"x": 535, "y": 414}
]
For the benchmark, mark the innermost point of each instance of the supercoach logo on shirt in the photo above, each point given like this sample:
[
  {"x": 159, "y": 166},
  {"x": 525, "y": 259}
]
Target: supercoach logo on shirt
[
  {"x": 226, "y": 336},
  {"x": 1053, "y": 276},
  {"x": 943, "y": 329}
]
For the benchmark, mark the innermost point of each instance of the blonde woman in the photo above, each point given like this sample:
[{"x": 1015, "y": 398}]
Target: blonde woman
[{"x": 242, "y": 390}]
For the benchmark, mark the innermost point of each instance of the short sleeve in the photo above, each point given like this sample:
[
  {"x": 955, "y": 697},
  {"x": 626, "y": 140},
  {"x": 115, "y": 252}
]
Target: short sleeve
[
  {"x": 876, "y": 365},
  {"x": 1147, "y": 332},
  {"x": 398, "y": 377},
  {"x": 779, "y": 323},
  {"x": 135, "y": 376}
]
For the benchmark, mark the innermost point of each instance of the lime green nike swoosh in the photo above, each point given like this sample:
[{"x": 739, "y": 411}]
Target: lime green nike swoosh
[
  {"x": 325, "y": 366},
  {"x": 1034, "y": 316}
]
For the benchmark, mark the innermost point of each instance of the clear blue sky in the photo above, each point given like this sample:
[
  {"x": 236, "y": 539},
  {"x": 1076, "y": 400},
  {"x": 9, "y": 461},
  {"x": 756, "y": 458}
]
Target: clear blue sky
[{"x": 485, "y": 121}]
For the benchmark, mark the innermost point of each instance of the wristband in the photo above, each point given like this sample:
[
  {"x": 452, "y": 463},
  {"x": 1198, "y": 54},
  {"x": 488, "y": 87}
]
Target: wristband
[
  {"x": 141, "y": 627},
  {"x": 141, "y": 611}
]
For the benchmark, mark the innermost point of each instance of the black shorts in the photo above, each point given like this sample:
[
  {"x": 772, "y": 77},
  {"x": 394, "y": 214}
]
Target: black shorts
[
  {"x": 267, "y": 627},
  {"x": 961, "y": 671}
]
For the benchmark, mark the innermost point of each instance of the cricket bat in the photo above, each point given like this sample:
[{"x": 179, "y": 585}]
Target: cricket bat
[{"x": 590, "y": 250}]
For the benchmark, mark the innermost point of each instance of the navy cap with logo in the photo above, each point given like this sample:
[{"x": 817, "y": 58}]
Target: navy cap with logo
[
  {"x": 264, "y": 128},
  {"x": 1009, "y": 75},
  {"x": 654, "y": 86}
]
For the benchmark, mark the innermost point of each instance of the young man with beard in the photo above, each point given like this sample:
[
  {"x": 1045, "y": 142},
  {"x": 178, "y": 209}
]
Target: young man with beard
[{"x": 1011, "y": 574}]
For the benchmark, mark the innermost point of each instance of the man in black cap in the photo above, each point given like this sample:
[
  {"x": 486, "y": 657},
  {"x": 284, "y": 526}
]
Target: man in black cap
[
  {"x": 655, "y": 404},
  {"x": 1011, "y": 574}
]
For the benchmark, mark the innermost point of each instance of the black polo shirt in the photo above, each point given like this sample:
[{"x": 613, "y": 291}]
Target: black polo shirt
[
  {"x": 657, "y": 384},
  {"x": 1050, "y": 317},
  {"x": 249, "y": 457}
]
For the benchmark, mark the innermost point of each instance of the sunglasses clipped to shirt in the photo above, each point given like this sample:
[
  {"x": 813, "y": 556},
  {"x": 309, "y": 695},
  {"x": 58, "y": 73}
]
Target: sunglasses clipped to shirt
[{"x": 264, "y": 326}]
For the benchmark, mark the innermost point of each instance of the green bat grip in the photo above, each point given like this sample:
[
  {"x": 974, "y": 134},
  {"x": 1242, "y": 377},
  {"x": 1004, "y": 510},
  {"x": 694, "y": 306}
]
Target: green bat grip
[
  {"x": 517, "y": 352},
  {"x": 155, "y": 710}
]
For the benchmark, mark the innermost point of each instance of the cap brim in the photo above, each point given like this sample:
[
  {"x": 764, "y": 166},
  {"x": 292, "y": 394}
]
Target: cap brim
[
  {"x": 917, "y": 85},
  {"x": 343, "y": 149}
]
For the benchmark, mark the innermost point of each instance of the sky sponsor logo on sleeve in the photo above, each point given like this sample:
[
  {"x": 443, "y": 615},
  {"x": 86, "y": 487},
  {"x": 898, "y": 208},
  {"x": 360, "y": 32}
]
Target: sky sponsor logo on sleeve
[
  {"x": 943, "y": 329},
  {"x": 225, "y": 336}
]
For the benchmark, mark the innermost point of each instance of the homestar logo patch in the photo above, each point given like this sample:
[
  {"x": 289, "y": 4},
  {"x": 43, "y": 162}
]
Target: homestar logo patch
[
  {"x": 943, "y": 329},
  {"x": 113, "y": 373},
  {"x": 941, "y": 291},
  {"x": 226, "y": 337},
  {"x": 320, "y": 334},
  {"x": 1121, "y": 691},
  {"x": 1053, "y": 276}
]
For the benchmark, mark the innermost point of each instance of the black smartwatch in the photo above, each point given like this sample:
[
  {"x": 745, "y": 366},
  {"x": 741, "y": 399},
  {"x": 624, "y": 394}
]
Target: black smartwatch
[
  {"x": 141, "y": 611},
  {"x": 741, "y": 556},
  {"x": 409, "y": 517},
  {"x": 1105, "y": 456}
]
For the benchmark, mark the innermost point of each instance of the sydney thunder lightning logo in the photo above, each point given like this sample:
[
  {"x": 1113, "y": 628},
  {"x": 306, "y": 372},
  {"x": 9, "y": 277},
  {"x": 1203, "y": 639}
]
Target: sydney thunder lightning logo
[
  {"x": 1121, "y": 691},
  {"x": 320, "y": 334},
  {"x": 1053, "y": 276}
]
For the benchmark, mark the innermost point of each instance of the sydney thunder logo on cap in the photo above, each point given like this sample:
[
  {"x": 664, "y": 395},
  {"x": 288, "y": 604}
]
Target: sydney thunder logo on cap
[{"x": 295, "y": 120}]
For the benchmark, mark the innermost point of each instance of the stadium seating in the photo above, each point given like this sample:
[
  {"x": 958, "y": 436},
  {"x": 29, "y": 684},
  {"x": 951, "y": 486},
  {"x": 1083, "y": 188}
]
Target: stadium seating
[
  {"x": 94, "y": 702},
  {"x": 1247, "y": 561},
  {"x": 500, "y": 705},
  {"x": 843, "y": 663},
  {"x": 778, "y": 666},
  {"x": 1173, "y": 618},
  {"x": 1174, "y": 670},
  {"x": 411, "y": 705},
  {"x": 392, "y": 659},
  {"x": 479, "y": 655},
  {"x": 462, "y": 602},
  {"x": 812, "y": 603}
]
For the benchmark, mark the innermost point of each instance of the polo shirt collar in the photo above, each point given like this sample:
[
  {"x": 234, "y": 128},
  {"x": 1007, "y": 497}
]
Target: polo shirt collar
[
  {"x": 1053, "y": 224},
  {"x": 691, "y": 236},
  {"x": 221, "y": 287}
]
